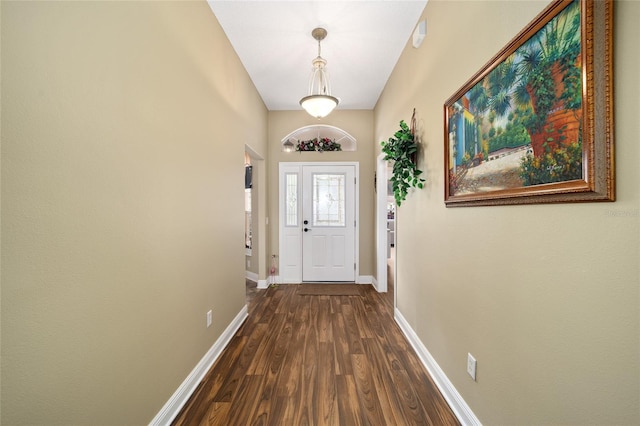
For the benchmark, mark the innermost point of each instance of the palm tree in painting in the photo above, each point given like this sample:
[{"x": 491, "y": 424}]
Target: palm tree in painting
[
  {"x": 500, "y": 84},
  {"x": 550, "y": 72},
  {"x": 539, "y": 87}
]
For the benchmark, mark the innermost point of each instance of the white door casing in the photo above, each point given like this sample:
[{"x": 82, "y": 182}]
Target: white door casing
[
  {"x": 325, "y": 195},
  {"x": 381, "y": 224}
]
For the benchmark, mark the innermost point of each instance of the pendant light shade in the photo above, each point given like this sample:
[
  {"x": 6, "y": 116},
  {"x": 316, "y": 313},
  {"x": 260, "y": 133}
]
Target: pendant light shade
[
  {"x": 319, "y": 102},
  {"x": 319, "y": 105}
]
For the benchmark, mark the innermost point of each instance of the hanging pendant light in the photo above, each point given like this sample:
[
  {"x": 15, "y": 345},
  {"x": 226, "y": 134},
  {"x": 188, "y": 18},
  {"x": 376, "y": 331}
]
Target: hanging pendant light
[{"x": 319, "y": 103}]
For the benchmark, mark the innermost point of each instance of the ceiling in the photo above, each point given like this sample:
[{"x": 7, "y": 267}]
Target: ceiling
[{"x": 273, "y": 40}]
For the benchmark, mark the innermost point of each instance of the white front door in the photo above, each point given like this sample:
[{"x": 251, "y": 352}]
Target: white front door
[
  {"x": 328, "y": 223},
  {"x": 318, "y": 222}
]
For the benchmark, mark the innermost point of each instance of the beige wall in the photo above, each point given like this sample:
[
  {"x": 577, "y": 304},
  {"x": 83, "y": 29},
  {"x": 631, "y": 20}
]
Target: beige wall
[
  {"x": 358, "y": 124},
  {"x": 546, "y": 297},
  {"x": 123, "y": 129}
]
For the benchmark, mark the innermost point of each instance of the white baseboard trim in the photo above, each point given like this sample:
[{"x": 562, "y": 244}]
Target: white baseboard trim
[
  {"x": 180, "y": 397},
  {"x": 276, "y": 279},
  {"x": 365, "y": 279},
  {"x": 454, "y": 399},
  {"x": 261, "y": 284},
  {"x": 375, "y": 285},
  {"x": 273, "y": 279}
]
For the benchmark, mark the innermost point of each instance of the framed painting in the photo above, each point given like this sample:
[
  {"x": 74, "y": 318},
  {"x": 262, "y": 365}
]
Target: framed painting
[{"x": 535, "y": 124}]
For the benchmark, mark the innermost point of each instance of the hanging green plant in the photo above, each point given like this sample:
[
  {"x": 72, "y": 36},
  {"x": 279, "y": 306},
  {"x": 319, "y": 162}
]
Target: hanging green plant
[{"x": 401, "y": 149}]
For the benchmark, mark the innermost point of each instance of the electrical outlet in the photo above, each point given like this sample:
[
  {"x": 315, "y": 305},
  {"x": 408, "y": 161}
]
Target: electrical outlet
[
  {"x": 471, "y": 366},
  {"x": 209, "y": 318}
]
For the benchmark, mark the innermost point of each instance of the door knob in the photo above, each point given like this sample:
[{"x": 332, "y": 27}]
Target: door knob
[
  {"x": 306, "y": 222},
  {"x": 306, "y": 229}
]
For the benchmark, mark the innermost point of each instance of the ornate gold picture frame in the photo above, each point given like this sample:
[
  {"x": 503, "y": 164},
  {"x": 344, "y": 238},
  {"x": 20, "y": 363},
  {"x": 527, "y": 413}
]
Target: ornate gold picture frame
[{"x": 535, "y": 124}]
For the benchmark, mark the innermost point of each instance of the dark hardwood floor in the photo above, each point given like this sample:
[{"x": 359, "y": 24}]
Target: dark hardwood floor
[{"x": 317, "y": 360}]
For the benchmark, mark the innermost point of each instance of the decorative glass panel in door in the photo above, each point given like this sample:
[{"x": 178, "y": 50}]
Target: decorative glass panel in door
[{"x": 328, "y": 203}]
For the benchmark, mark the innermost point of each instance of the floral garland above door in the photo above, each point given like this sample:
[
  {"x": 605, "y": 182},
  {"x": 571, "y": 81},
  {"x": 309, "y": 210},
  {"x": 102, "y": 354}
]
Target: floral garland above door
[{"x": 320, "y": 145}]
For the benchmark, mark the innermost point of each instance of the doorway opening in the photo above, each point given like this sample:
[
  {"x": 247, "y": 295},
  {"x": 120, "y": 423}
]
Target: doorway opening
[
  {"x": 386, "y": 227},
  {"x": 255, "y": 210}
]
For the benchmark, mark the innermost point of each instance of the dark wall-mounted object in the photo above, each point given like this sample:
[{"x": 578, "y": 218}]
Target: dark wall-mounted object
[{"x": 248, "y": 171}]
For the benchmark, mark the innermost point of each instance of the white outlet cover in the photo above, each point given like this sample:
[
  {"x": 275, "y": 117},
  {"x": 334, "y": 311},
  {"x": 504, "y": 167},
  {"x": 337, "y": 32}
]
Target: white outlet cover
[
  {"x": 471, "y": 366},
  {"x": 209, "y": 318}
]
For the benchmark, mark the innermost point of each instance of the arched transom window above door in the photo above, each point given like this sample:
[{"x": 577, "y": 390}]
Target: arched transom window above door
[{"x": 319, "y": 132}]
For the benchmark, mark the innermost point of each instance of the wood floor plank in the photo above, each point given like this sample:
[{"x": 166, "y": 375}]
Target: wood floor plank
[
  {"x": 317, "y": 360},
  {"x": 327, "y": 396},
  {"x": 308, "y": 389},
  {"x": 217, "y": 414},
  {"x": 264, "y": 414},
  {"x": 277, "y": 353},
  {"x": 367, "y": 393},
  {"x": 234, "y": 377},
  {"x": 361, "y": 318},
  {"x": 289, "y": 383},
  {"x": 388, "y": 393},
  {"x": 323, "y": 323},
  {"x": 351, "y": 327},
  {"x": 245, "y": 401},
  {"x": 350, "y": 412},
  {"x": 427, "y": 395},
  {"x": 204, "y": 395},
  {"x": 341, "y": 346},
  {"x": 256, "y": 347}
]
